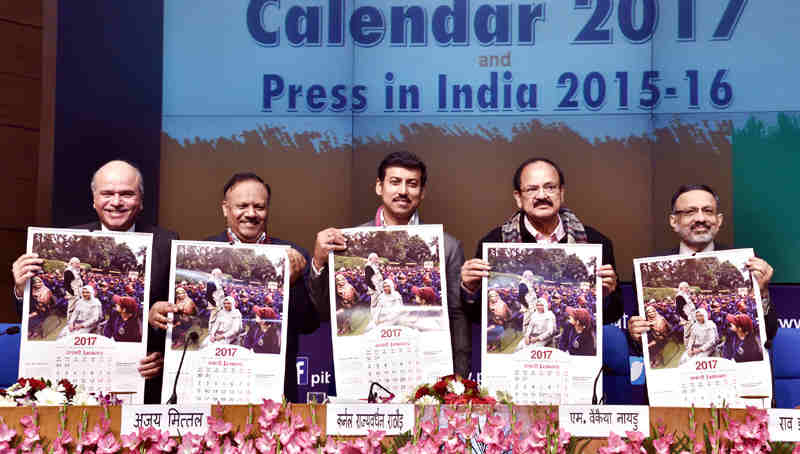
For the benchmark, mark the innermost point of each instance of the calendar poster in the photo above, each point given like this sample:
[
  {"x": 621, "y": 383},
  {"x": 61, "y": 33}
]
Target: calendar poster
[
  {"x": 84, "y": 316},
  {"x": 705, "y": 344},
  {"x": 540, "y": 336},
  {"x": 389, "y": 310},
  {"x": 231, "y": 318}
]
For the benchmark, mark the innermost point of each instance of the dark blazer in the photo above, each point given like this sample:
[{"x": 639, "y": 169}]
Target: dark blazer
[
  {"x": 302, "y": 317},
  {"x": 159, "y": 291}
]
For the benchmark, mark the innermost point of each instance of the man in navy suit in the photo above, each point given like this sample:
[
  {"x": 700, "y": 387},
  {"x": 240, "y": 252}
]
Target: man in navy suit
[
  {"x": 117, "y": 194},
  {"x": 245, "y": 205}
]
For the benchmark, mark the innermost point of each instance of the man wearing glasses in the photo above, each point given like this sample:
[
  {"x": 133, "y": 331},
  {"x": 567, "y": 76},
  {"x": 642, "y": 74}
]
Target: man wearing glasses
[
  {"x": 542, "y": 218},
  {"x": 695, "y": 217}
]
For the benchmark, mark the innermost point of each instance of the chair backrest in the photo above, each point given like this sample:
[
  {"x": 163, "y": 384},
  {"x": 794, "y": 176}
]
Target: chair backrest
[
  {"x": 786, "y": 367},
  {"x": 9, "y": 349},
  {"x": 617, "y": 377}
]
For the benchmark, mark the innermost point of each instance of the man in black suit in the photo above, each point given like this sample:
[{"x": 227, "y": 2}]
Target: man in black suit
[
  {"x": 117, "y": 194},
  {"x": 401, "y": 188},
  {"x": 696, "y": 219},
  {"x": 245, "y": 205}
]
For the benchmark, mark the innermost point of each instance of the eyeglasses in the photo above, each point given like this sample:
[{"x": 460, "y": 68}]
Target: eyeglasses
[
  {"x": 689, "y": 212},
  {"x": 531, "y": 191}
]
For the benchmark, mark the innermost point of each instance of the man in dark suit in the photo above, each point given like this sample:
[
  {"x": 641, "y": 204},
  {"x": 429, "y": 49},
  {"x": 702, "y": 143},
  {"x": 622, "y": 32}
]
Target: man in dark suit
[
  {"x": 117, "y": 194},
  {"x": 401, "y": 188},
  {"x": 245, "y": 205},
  {"x": 696, "y": 219}
]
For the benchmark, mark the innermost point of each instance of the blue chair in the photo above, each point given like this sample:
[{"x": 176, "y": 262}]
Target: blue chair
[
  {"x": 617, "y": 376},
  {"x": 9, "y": 349},
  {"x": 786, "y": 367}
]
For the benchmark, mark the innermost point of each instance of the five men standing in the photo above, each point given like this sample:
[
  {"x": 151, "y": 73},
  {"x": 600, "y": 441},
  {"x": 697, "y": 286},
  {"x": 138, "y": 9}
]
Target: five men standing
[{"x": 542, "y": 217}]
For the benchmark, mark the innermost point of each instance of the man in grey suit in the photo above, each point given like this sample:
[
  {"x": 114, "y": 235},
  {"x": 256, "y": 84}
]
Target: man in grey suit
[{"x": 401, "y": 188}]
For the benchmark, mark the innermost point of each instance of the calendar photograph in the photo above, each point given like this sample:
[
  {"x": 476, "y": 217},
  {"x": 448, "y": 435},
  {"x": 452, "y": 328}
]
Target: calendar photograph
[
  {"x": 389, "y": 314},
  {"x": 230, "y": 318},
  {"x": 88, "y": 304},
  {"x": 89, "y": 284},
  {"x": 541, "y": 304},
  {"x": 388, "y": 277},
  {"x": 706, "y": 317}
]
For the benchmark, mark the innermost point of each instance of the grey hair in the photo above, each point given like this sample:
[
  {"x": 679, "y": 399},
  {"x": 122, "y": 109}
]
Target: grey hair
[{"x": 139, "y": 176}]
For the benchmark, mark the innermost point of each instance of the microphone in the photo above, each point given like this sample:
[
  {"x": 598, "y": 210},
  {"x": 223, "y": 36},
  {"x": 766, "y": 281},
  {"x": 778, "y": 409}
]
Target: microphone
[
  {"x": 191, "y": 338},
  {"x": 603, "y": 368},
  {"x": 11, "y": 330},
  {"x": 373, "y": 396}
]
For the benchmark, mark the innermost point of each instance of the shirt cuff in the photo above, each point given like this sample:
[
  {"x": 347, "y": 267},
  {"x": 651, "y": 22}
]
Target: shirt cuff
[
  {"x": 317, "y": 272},
  {"x": 14, "y": 292}
]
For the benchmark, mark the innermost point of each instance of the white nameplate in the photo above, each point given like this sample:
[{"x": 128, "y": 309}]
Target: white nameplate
[
  {"x": 600, "y": 420},
  {"x": 784, "y": 424},
  {"x": 177, "y": 419},
  {"x": 359, "y": 419}
]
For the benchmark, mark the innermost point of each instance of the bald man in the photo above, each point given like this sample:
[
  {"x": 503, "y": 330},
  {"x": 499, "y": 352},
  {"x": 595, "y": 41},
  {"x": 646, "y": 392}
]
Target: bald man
[{"x": 117, "y": 197}]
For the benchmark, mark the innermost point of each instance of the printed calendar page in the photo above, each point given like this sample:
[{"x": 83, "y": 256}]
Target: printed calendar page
[
  {"x": 84, "y": 316},
  {"x": 231, "y": 319},
  {"x": 705, "y": 344},
  {"x": 389, "y": 310},
  {"x": 541, "y": 338}
]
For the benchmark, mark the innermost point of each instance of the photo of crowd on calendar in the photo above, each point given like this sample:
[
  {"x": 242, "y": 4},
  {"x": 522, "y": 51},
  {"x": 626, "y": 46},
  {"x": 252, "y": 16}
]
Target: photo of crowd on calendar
[
  {"x": 699, "y": 307},
  {"x": 228, "y": 295},
  {"x": 542, "y": 297},
  {"x": 90, "y": 283},
  {"x": 389, "y": 277}
]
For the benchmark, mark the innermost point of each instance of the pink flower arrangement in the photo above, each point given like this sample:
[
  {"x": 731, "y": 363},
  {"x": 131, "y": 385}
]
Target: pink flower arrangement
[{"x": 441, "y": 430}]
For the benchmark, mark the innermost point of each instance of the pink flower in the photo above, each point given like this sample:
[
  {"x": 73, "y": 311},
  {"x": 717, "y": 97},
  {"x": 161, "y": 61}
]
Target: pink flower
[
  {"x": 266, "y": 445},
  {"x": 219, "y": 426},
  {"x": 130, "y": 442},
  {"x": 7, "y": 434},
  {"x": 563, "y": 437},
  {"x": 331, "y": 446},
  {"x": 298, "y": 422},
  {"x": 374, "y": 438},
  {"x": 284, "y": 432},
  {"x": 108, "y": 444},
  {"x": 27, "y": 421},
  {"x": 269, "y": 412},
  {"x": 165, "y": 443},
  {"x": 149, "y": 434},
  {"x": 635, "y": 436},
  {"x": 408, "y": 449},
  {"x": 248, "y": 448},
  {"x": 615, "y": 444},
  {"x": 191, "y": 444},
  {"x": 64, "y": 439},
  {"x": 661, "y": 445}
]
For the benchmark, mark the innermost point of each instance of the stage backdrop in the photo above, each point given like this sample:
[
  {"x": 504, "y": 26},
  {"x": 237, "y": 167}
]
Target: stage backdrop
[{"x": 631, "y": 97}]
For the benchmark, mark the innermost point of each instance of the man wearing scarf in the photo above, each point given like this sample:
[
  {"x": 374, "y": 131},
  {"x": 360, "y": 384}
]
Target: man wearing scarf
[
  {"x": 543, "y": 218},
  {"x": 401, "y": 187}
]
